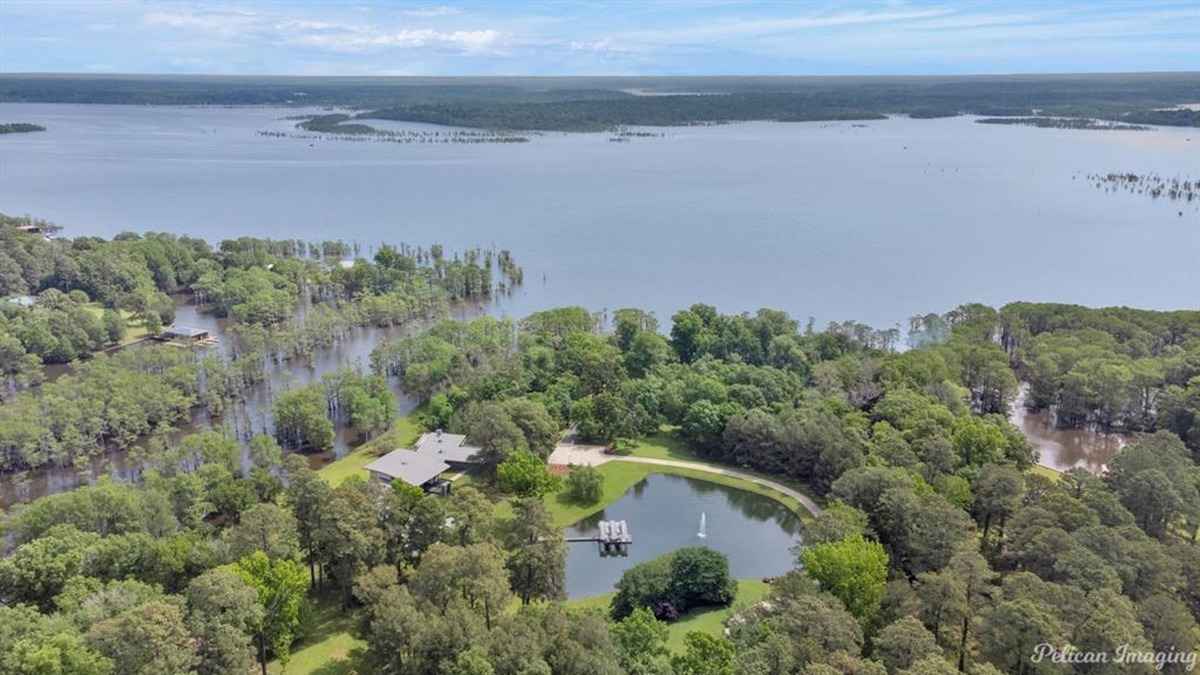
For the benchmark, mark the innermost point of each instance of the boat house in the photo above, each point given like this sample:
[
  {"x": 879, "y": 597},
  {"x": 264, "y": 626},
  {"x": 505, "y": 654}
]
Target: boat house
[
  {"x": 422, "y": 466},
  {"x": 185, "y": 335}
]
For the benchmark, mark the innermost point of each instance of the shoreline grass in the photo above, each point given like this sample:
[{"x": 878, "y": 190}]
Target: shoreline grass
[
  {"x": 1046, "y": 472},
  {"x": 666, "y": 444},
  {"x": 404, "y": 434}
]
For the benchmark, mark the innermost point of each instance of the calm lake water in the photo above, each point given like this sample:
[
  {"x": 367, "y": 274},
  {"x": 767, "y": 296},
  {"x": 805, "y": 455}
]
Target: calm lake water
[
  {"x": 870, "y": 221},
  {"x": 755, "y": 532}
]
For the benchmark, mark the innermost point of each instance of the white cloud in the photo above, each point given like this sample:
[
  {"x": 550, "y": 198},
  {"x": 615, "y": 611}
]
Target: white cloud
[
  {"x": 732, "y": 29},
  {"x": 225, "y": 22},
  {"x": 329, "y": 33},
  {"x": 427, "y": 12},
  {"x": 362, "y": 40}
]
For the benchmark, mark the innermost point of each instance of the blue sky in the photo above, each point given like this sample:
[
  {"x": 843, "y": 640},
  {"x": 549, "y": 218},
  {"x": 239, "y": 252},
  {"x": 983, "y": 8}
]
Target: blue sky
[{"x": 649, "y": 37}]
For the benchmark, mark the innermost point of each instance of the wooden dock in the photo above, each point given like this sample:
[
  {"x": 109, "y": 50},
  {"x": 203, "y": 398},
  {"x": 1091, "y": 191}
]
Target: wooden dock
[{"x": 614, "y": 537}]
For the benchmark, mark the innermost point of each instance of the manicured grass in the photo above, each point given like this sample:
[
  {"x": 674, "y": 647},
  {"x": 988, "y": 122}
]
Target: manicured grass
[
  {"x": 1046, "y": 472},
  {"x": 403, "y": 434},
  {"x": 134, "y": 330},
  {"x": 330, "y": 648},
  {"x": 666, "y": 444},
  {"x": 710, "y": 621},
  {"x": 618, "y": 478}
]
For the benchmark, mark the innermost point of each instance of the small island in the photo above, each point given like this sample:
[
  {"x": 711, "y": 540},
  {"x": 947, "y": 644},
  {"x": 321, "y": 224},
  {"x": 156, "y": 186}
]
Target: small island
[
  {"x": 335, "y": 127},
  {"x": 19, "y": 127}
]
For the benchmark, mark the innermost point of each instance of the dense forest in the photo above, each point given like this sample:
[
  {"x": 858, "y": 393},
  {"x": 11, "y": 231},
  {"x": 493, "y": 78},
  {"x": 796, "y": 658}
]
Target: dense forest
[
  {"x": 597, "y": 103},
  {"x": 1117, "y": 368},
  {"x": 940, "y": 547},
  {"x": 68, "y": 300},
  {"x": 938, "y": 550}
]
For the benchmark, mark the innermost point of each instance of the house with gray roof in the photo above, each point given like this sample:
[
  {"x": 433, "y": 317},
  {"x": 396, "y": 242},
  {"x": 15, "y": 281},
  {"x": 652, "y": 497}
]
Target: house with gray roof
[
  {"x": 434, "y": 453},
  {"x": 409, "y": 466},
  {"x": 450, "y": 448}
]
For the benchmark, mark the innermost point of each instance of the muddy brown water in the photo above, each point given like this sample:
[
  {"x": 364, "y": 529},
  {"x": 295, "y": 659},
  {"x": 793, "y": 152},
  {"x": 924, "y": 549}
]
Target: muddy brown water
[{"x": 1063, "y": 449}]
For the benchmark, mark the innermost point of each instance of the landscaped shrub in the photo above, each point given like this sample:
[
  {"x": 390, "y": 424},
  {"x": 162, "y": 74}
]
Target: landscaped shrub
[
  {"x": 585, "y": 485},
  {"x": 674, "y": 583}
]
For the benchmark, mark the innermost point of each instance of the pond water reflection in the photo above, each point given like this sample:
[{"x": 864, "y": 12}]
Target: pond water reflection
[{"x": 664, "y": 511}]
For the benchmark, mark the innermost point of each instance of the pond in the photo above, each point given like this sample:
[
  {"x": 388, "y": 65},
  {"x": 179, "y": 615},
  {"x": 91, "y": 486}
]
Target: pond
[{"x": 664, "y": 512}]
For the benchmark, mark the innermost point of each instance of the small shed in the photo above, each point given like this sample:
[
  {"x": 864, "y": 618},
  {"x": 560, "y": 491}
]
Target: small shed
[{"x": 414, "y": 468}]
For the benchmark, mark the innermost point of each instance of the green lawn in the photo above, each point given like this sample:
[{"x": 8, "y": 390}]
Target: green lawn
[
  {"x": 667, "y": 444},
  {"x": 1046, "y": 472},
  {"x": 618, "y": 478},
  {"x": 330, "y": 648},
  {"x": 710, "y": 621},
  {"x": 403, "y": 434},
  {"x": 134, "y": 330}
]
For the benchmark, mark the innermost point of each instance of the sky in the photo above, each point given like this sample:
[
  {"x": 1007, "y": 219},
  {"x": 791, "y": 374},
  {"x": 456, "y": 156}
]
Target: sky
[{"x": 559, "y": 37}]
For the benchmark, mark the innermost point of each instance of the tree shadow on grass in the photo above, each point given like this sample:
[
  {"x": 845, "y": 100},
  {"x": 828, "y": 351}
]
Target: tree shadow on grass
[{"x": 351, "y": 665}]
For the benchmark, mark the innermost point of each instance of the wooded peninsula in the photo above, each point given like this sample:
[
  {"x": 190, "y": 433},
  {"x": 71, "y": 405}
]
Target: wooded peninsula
[
  {"x": 601, "y": 103},
  {"x": 932, "y": 540}
]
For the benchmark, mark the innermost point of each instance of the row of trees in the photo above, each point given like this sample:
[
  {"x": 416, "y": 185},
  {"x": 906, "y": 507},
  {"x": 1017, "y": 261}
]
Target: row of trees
[
  {"x": 1118, "y": 368},
  {"x": 287, "y": 299}
]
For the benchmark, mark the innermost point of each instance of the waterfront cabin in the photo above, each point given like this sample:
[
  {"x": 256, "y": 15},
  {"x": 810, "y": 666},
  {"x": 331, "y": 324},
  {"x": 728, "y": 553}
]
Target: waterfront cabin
[
  {"x": 21, "y": 300},
  {"x": 185, "y": 335},
  {"x": 412, "y": 467},
  {"x": 46, "y": 230}
]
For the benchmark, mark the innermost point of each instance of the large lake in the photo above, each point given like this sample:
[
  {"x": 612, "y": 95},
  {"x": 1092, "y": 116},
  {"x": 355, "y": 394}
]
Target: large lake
[
  {"x": 873, "y": 221},
  {"x": 663, "y": 512}
]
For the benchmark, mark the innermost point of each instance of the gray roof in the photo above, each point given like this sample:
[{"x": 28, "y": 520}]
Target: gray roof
[
  {"x": 448, "y": 447},
  {"x": 21, "y": 300},
  {"x": 411, "y": 467},
  {"x": 184, "y": 331}
]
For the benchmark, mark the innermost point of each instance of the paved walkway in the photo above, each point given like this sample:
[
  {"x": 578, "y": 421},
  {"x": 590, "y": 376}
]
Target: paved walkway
[{"x": 594, "y": 455}]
